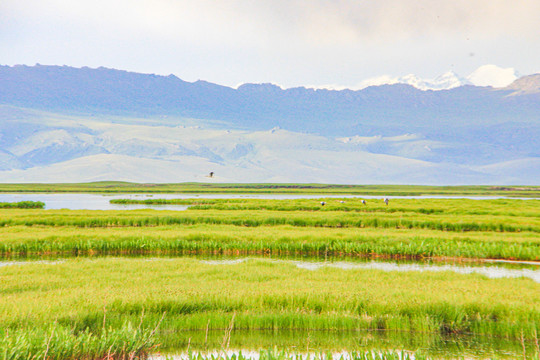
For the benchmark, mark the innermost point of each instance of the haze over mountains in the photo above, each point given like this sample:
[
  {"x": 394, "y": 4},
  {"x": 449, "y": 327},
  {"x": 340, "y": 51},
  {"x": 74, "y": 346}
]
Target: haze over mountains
[{"x": 69, "y": 124}]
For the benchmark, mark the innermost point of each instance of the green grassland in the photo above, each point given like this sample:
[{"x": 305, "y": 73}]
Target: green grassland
[
  {"x": 411, "y": 228},
  {"x": 262, "y": 294},
  {"x": 265, "y": 188}
]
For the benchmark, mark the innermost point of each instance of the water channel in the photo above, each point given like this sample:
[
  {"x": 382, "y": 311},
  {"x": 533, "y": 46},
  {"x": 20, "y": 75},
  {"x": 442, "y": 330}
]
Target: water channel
[{"x": 75, "y": 201}]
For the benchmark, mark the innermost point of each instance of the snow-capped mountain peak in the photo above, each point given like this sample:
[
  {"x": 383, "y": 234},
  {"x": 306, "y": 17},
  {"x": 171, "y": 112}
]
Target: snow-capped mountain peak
[
  {"x": 448, "y": 80},
  {"x": 486, "y": 75},
  {"x": 445, "y": 81}
]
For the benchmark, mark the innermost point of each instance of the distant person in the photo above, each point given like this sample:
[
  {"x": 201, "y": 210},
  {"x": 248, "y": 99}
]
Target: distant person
[
  {"x": 386, "y": 201},
  {"x": 211, "y": 174},
  {"x": 323, "y": 203},
  {"x": 364, "y": 202}
]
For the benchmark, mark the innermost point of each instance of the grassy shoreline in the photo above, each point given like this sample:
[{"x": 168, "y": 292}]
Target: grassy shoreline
[
  {"x": 476, "y": 229},
  {"x": 59, "y": 342},
  {"x": 208, "y": 243},
  {"x": 278, "y": 188}
]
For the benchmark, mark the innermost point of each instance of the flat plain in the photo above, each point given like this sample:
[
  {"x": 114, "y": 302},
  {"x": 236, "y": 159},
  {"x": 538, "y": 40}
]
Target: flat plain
[{"x": 233, "y": 264}]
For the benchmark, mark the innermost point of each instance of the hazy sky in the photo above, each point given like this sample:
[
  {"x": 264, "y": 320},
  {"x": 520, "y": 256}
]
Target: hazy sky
[{"x": 288, "y": 42}]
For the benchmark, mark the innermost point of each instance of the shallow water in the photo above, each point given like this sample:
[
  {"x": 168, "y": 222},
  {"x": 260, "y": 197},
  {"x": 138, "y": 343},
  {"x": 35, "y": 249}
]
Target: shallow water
[
  {"x": 337, "y": 342},
  {"x": 526, "y": 269},
  {"x": 85, "y": 201},
  {"x": 44, "y": 262},
  {"x": 529, "y": 270},
  {"x": 491, "y": 271},
  {"x": 101, "y": 201}
]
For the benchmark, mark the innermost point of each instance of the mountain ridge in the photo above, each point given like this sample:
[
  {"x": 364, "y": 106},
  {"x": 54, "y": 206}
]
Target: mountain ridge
[{"x": 53, "y": 118}]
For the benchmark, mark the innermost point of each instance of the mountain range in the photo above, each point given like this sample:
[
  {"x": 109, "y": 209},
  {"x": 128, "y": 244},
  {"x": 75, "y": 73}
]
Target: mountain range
[{"x": 83, "y": 124}]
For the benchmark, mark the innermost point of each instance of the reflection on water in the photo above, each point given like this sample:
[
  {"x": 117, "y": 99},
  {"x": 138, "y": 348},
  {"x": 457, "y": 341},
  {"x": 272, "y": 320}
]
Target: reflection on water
[
  {"x": 44, "y": 262},
  {"x": 434, "y": 345},
  {"x": 101, "y": 201},
  {"x": 527, "y": 269},
  {"x": 491, "y": 271},
  {"x": 85, "y": 202}
]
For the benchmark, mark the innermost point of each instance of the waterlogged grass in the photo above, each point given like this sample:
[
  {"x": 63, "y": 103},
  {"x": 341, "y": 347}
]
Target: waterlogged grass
[
  {"x": 283, "y": 355},
  {"x": 313, "y": 342},
  {"x": 506, "y": 207},
  {"x": 480, "y": 229},
  {"x": 275, "y": 354},
  {"x": 274, "y": 240},
  {"x": 22, "y": 205},
  {"x": 75, "y": 294},
  {"x": 263, "y": 295},
  {"x": 63, "y": 343},
  {"x": 266, "y": 218}
]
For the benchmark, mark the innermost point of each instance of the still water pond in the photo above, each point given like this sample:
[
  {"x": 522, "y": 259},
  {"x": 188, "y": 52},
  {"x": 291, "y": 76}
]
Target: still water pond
[{"x": 102, "y": 201}]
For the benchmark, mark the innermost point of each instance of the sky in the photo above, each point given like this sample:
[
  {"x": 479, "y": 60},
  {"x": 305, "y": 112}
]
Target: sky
[{"x": 337, "y": 43}]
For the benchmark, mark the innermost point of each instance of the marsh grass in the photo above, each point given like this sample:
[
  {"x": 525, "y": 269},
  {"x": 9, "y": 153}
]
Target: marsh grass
[
  {"x": 480, "y": 229},
  {"x": 260, "y": 294},
  {"x": 284, "y": 245},
  {"x": 336, "y": 219},
  {"x": 274, "y": 354},
  {"x": 63, "y": 343},
  {"x": 264, "y": 295},
  {"x": 22, "y": 205},
  {"x": 528, "y": 208}
]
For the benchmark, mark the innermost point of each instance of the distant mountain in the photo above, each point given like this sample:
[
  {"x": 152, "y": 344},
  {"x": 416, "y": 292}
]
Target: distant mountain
[
  {"x": 100, "y": 123},
  {"x": 446, "y": 81},
  {"x": 525, "y": 85},
  {"x": 388, "y": 109}
]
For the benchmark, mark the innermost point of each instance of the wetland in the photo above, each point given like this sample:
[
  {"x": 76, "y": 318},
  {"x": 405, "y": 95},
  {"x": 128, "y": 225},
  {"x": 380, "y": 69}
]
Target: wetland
[{"x": 436, "y": 277}]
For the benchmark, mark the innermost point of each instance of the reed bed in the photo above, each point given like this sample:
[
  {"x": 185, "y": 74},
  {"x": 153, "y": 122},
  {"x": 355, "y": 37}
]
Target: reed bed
[
  {"x": 284, "y": 355},
  {"x": 22, "y": 205},
  {"x": 455, "y": 223},
  {"x": 432, "y": 345},
  {"x": 263, "y": 295},
  {"x": 281, "y": 241},
  {"x": 506, "y": 207},
  {"x": 374, "y": 354},
  {"x": 63, "y": 343},
  {"x": 480, "y": 229}
]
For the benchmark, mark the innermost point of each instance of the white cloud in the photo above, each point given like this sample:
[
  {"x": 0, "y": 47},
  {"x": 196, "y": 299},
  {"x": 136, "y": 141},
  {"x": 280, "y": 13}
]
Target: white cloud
[
  {"x": 292, "y": 42},
  {"x": 492, "y": 75}
]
